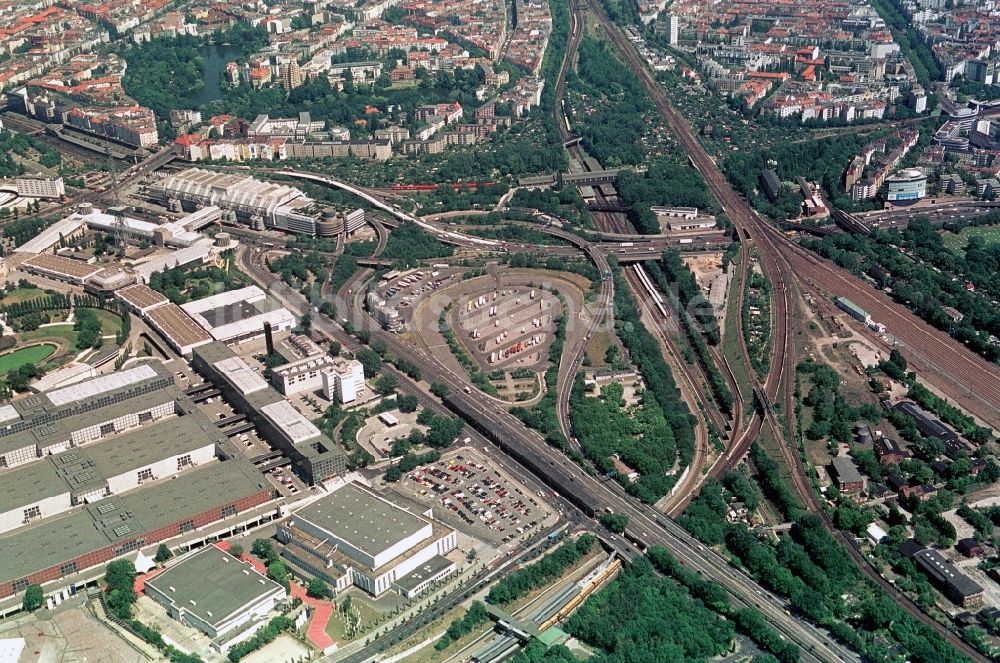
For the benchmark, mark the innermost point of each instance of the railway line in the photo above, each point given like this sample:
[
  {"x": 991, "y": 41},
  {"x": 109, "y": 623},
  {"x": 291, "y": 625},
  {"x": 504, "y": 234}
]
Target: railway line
[
  {"x": 784, "y": 260},
  {"x": 589, "y": 494}
]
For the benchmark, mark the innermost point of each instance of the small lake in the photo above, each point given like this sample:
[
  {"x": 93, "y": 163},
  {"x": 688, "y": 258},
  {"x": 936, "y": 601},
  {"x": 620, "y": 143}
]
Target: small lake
[{"x": 215, "y": 57}]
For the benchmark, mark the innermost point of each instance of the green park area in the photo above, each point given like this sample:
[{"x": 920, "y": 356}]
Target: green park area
[
  {"x": 29, "y": 355},
  {"x": 21, "y": 295},
  {"x": 989, "y": 234}
]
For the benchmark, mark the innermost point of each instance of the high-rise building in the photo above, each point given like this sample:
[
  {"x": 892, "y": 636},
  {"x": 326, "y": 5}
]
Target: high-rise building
[
  {"x": 673, "y": 28},
  {"x": 291, "y": 75}
]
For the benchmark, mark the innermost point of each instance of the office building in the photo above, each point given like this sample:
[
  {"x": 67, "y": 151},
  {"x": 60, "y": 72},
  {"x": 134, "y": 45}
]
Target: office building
[
  {"x": 906, "y": 186},
  {"x": 354, "y": 536},
  {"x": 225, "y": 598},
  {"x": 344, "y": 381},
  {"x": 673, "y": 28},
  {"x": 40, "y": 187},
  {"x": 314, "y": 456}
]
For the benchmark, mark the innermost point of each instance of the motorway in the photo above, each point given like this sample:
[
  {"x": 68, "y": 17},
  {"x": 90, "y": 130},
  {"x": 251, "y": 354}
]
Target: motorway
[{"x": 646, "y": 526}]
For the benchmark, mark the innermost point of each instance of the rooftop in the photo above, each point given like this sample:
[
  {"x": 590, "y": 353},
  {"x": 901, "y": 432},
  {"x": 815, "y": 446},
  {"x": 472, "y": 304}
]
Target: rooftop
[
  {"x": 245, "y": 379},
  {"x": 171, "y": 321},
  {"x": 101, "y": 384},
  {"x": 120, "y": 519},
  {"x": 286, "y": 418},
  {"x": 944, "y": 571},
  {"x": 84, "y": 469},
  {"x": 61, "y": 266},
  {"x": 367, "y": 521},
  {"x": 213, "y": 584},
  {"x": 141, "y": 296}
]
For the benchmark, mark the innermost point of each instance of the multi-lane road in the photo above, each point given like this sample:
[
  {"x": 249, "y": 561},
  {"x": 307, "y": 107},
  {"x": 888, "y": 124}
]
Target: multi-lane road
[{"x": 646, "y": 526}]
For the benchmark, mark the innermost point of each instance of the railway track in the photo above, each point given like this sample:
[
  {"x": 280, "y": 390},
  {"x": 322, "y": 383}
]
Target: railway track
[{"x": 783, "y": 260}]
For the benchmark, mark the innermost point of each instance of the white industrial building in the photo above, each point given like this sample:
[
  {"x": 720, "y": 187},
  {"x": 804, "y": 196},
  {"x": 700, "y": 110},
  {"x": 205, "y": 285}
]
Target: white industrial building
[
  {"x": 342, "y": 380},
  {"x": 58, "y": 483},
  {"x": 354, "y": 536},
  {"x": 682, "y": 218},
  {"x": 257, "y": 203},
  {"x": 225, "y": 598},
  {"x": 239, "y": 315}
]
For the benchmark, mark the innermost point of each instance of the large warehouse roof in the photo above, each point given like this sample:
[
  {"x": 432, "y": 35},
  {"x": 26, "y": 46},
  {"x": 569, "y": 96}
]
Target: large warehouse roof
[
  {"x": 213, "y": 585},
  {"x": 60, "y": 266},
  {"x": 82, "y": 470},
  {"x": 368, "y": 522},
  {"x": 55, "y": 540},
  {"x": 177, "y": 327},
  {"x": 99, "y": 385}
]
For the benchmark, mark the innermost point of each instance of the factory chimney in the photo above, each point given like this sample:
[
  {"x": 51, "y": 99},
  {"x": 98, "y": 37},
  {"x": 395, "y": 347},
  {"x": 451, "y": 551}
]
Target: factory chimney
[{"x": 268, "y": 338}]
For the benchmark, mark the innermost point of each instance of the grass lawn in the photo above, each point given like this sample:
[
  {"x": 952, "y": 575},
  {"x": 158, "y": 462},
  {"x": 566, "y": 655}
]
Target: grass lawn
[
  {"x": 110, "y": 322},
  {"x": 21, "y": 295},
  {"x": 336, "y": 628},
  {"x": 29, "y": 355},
  {"x": 990, "y": 234},
  {"x": 598, "y": 348},
  {"x": 64, "y": 331}
]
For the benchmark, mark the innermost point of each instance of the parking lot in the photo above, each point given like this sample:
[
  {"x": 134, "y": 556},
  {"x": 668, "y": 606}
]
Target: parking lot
[
  {"x": 406, "y": 288},
  {"x": 475, "y": 499}
]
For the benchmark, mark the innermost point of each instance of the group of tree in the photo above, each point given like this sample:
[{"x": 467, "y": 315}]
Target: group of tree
[
  {"x": 644, "y": 351},
  {"x": 832, "y": 415},
  {"x": 546, "y": 570},
  {"x": 642, "y": 617},
  {"x": 20, "y": 231},
  {"x": 268, "y": 634},
  {"x": 409, "y": 462},
  {"x": 637, "y": 435},
  {"x": 926, "y": 281},
  {"x": 712, "y": 594},
  {"x": 409, "y": 243},
  {"x": 612, "y": 108},
  {"x": 666, "y": 182},
  {"x": 88, "y": 329},
  {"x": 475, "y": 616},
  {"x": 277, "y": 571},
  {"x": 183, "y": 284}
]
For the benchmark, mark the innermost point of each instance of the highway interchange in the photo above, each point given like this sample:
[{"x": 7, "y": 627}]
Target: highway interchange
[{"x": 784, "y": 264}]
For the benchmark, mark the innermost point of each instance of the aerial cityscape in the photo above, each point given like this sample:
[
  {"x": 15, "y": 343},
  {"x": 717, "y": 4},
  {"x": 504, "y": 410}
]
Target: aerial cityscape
[{"x": 537, "y": 331}]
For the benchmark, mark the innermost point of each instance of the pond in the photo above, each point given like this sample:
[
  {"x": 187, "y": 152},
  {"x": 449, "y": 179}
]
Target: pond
[{"x": 215, "y": 57}]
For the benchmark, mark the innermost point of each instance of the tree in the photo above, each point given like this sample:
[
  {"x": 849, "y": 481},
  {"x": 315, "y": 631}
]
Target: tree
[
  {"x": 236, "y": 550},
  {"x": 33, "y": 598},
  {"x": 262, "y": 549},
  {"x": 370, "y": 361},
  {"x": 386, "y": 384},
  {"x": 318, "y": 589},
  {"x": 335, "y": 348},
  {"x": 278, "y": 572},
  {"x": 439, "y": 390},
  {"x": 616, "y": 522},
  {"x": 162, "y": 554}
]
